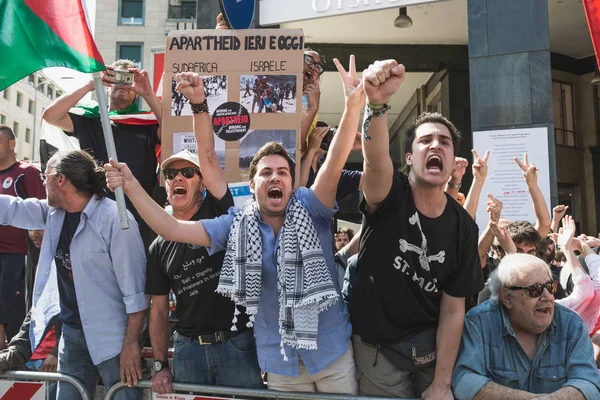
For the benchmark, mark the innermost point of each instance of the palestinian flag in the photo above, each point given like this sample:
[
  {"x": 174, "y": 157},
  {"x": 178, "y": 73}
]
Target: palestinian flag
[
  {"x": 592, "y": 14},
  {"x": 36, "y": 34}
]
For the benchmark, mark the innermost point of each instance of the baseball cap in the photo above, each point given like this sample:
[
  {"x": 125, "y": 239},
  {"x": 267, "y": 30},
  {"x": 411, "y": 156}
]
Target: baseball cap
[{"x": 184, "y": 155}]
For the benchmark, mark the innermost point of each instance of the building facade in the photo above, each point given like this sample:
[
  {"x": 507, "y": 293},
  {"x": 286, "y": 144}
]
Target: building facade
[{"x": 21, "y": 108}]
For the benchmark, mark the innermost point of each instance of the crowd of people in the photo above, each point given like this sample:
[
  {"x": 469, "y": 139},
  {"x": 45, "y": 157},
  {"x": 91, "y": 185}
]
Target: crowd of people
[{"x": 417, "y": 303}]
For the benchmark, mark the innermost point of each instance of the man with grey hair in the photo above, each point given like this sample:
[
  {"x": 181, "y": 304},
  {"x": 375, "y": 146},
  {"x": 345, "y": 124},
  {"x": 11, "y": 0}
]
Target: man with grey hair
[
  {"x": 520, "y": 343},
  {"x": 90, "y": 272}
]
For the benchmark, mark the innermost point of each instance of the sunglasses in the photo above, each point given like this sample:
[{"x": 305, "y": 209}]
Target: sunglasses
[
  {"x": 44, "y": 176},
  {"x": 317, "y": 65},
  {"x": 537, "y": 289},
  {"x": 187, "y": 172}
]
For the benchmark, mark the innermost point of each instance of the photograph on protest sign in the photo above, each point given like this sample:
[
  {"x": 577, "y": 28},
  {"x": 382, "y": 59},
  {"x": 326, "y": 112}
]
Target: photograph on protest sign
[
  {"x": 215, "y": 90},
  {"x": 187, "y": 141},
  {"x": 255, "y": 139},
  {"x": 268, "y": 93}
]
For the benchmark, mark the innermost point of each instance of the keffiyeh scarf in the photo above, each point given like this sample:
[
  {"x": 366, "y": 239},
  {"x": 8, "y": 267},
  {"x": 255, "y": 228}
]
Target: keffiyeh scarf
[{"x": 304, "y": 284}]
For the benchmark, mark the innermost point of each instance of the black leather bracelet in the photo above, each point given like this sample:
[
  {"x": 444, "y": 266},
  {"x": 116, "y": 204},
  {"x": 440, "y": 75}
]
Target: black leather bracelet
[
  {"x": 370, "y": 113},
  {"x": 198, "y": 108}
]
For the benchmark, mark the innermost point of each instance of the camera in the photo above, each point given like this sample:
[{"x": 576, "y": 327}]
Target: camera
[{"x": 123, "y": 77}]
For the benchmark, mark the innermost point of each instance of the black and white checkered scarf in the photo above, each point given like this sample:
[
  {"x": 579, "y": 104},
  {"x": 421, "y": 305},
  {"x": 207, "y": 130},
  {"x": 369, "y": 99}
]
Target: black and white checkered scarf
[{"x": 304, "y": 285}]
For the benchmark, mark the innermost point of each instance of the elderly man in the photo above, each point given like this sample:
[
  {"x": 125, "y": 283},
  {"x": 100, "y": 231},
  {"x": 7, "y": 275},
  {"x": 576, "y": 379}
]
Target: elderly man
[
  {"x": 520, "y": 343},
  {"x": 90, "y": 272}
]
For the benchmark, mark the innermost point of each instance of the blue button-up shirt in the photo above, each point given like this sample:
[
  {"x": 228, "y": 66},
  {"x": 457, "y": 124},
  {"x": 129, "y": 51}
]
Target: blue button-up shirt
[
  {"x": 490, "y": 351},
  {"x": 333, "y": 337},
  {"x": 109, "y": 268}
]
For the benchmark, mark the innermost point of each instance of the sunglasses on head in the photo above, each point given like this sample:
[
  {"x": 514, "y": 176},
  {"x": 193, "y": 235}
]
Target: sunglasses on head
[
  {"x": 317, "y": 65},
  {"x": 537, "y": 289},
  {"x": 187, "y": 172}
]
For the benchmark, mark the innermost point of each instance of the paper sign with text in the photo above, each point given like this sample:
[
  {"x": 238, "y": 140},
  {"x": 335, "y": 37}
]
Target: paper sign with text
[
  {"x": 172, "y": 396},
  {"x": 253, "y": 86},
  {"x": 505, "y": 178}
]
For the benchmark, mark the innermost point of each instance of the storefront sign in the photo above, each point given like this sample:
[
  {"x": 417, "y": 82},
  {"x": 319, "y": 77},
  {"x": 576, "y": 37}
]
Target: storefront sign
[
  {"x": 278, "y": 11},
  {"x": 505, "y": 178}
]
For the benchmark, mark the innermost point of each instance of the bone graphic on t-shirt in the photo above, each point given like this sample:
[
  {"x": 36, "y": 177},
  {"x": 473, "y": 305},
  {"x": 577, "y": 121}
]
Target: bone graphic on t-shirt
[{"x": 422, "y": 250}]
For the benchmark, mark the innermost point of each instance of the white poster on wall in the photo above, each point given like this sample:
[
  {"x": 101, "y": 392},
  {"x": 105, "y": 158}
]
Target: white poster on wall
[{"x": 505, "y": 179}]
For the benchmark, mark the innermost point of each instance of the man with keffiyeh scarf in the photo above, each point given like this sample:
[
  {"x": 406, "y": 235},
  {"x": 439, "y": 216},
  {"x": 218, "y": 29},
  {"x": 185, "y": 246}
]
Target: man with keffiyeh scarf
[{"x": 279, "y": 258}]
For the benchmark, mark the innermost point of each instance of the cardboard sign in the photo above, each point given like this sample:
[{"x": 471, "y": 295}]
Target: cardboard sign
[
  {"x": 253, "y": 85},
  {"x": 10, "y": 390}
]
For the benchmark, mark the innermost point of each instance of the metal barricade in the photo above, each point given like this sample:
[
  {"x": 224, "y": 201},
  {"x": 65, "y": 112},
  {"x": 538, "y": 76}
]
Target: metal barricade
[
  {"x": 242, "y": 392},
  {"x": 48, "y": 377}
]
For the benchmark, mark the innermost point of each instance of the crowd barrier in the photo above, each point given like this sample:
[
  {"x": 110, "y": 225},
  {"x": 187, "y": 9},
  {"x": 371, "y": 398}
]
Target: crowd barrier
[
  {"x": 48, "y": 377},
  {"x": 243, "y": 393}
]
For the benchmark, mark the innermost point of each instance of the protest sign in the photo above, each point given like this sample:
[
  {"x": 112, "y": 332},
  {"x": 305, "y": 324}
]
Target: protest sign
[{"x": 252, "y": 82}]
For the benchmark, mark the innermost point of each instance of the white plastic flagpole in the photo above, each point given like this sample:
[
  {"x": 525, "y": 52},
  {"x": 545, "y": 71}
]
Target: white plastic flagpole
[{"x": 110, "y": 144}]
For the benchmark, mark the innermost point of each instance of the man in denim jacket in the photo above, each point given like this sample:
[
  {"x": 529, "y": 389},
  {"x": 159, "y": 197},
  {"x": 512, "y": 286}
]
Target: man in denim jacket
[{"x": 520, "y": 343}]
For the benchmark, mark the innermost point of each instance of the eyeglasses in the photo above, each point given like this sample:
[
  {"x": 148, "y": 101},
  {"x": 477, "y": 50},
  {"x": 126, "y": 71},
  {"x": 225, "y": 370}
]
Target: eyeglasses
[
  {"x": 537, "y": 289},
  {"x": 317, "y": 65},
  {"x": 44, "y": 177},
  {"x": 187, "y": 172}
]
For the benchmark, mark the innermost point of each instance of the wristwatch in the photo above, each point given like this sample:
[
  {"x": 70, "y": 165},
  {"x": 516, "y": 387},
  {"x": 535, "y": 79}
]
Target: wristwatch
[{"x": 158, "y": 365}]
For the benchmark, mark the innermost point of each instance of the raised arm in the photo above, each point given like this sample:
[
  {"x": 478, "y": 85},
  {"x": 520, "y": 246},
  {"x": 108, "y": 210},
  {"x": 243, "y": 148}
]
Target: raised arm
[
  {"x": 455, "y": 182},
  {"x": 313, "y": 92},
  {"x": 494, "y": 209},
  {"x": 57, "y": 113},
  {"x": 161, "y": 222},
  {"x": 583, "y": 286},
  {"x": 326, "y": 183},
  {"x": 542, "y": 216},
  {"x": 557, "y": 213},
  {"x": 382, "y": 80},
  {"x": 479, "y": 174},
  {"x": 191, "y": 86},
  {"x": 141, "y": 85}
]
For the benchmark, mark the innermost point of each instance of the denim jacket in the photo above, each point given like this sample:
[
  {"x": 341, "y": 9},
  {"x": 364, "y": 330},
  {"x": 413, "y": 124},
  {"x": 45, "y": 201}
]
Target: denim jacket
[{"x": 489, "y": 351}]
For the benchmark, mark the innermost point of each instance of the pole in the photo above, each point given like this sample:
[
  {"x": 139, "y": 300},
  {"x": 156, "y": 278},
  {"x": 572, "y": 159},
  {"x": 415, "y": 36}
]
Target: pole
[
  {"x": 110, "y": 145},
  {"x": 34, "y": 121}
]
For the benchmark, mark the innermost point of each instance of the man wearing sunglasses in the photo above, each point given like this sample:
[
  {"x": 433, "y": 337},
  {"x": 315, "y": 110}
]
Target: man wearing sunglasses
[
  {"x": 520, "y": 343},
  {"x": 207, "y": 351}
]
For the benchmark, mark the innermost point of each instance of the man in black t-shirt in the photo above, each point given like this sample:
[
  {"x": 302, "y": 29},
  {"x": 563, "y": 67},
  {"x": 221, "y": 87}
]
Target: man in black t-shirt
[
  {"x": 210, "y": 348},
  {"x": 418, "y": 254},
  {"x": 135, "y": 144}
]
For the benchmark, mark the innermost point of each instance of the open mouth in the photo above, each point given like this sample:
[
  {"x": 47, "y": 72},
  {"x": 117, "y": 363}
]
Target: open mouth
[
  {"x": 275, "y": 194},
  {"x": 544, "y": 310},
  {"x": 434, "y": 163},
  {"x": 179, "y": 191},
  {"x": 308, "y": 76}
]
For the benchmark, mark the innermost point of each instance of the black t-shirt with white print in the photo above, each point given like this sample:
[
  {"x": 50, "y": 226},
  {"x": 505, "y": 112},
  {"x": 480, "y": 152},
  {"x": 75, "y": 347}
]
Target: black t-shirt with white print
[
  {"x": 405, "y": 261},
  {"x": 193, "y": 276}
]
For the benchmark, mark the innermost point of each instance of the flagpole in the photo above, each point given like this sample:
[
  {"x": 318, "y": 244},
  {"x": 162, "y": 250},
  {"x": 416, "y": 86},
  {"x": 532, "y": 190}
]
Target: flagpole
[{"x": 110, "y": 144}]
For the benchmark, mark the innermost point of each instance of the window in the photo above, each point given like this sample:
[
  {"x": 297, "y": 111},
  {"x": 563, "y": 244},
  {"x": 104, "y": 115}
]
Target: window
[
  {"x": 27, "y": 135},
  {"x": 16, "y": 128},
  {"x": 132, "y": 12},
  {"x": 31, "y": 107},
  {"x": 130, "y": 51},
  {"x": 49, "y": 92},
  {"x": 5, "y": 94},
  {"x": 564, "y": 113},
  {"x": 2, "y": 119},
  {"x": 19, "y": 99},
  {"x": 40, "y": 86},
  {"x": 182, "y": 9},
  {"x": 59, "y": 93},
  {"x": 31, "y": 79}
]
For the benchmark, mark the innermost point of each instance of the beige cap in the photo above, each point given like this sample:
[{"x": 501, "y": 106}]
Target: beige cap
[{"x": 184, "y": 155}]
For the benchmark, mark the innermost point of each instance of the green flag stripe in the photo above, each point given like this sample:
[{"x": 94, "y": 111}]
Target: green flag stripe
[{"x": 27, "y": 44}]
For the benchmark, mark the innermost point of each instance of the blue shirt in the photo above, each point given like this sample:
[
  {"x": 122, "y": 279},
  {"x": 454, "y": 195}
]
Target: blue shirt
[
  {"x": 108, "y": 265},
  {"x": 333, "y": 337},
  {"x": 489, "y": 351}
]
